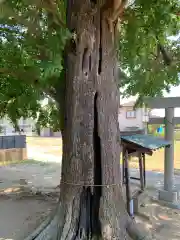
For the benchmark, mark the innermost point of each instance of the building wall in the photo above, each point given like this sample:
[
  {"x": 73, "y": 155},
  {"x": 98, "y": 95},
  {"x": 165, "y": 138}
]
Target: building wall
[
  {"x": 27, "y": 125},
  {"x": 57, "y": 134},
  {"x": 126, "y": 122},
  {"x": 46, "y": 132}
]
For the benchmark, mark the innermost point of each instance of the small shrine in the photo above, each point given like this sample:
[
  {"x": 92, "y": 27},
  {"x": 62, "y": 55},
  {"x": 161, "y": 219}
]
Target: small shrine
[{"x": 137, "y": 145}]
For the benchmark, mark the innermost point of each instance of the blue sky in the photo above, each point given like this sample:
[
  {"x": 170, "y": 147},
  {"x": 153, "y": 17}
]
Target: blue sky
[{"x": 175, "y": 92}]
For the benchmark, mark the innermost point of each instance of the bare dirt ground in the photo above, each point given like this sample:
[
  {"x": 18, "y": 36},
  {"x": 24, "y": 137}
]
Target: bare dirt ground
[
  {"x": 20, "y": 217},
  {"x": 28, "y": 194},
  {"x": 163, "y": 222}
]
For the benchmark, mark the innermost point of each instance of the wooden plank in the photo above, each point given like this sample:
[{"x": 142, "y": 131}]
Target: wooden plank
[
  {"x": 136, "y": 148},
  {"x": 162, "y": 102},
  {"x": 144, "y": 168},
  {"x": 13, "y": 154},
  {"x": 141, "y": 171},
  {"x": 156, "y": 120},
  {"x": 135, "y": 178},
  {"x": 2, "y": 155},
  {"x": 128, "y": 193}
]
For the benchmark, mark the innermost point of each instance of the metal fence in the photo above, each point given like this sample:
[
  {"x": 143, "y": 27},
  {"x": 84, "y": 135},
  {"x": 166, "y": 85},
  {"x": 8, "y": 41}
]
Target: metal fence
[{"x": 16, "y": 141}]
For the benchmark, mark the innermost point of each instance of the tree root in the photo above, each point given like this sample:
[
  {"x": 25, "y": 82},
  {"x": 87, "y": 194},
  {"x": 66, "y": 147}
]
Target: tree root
[
  {"x": 37, "y": 234},
  {"x": 48, "y": 230}
]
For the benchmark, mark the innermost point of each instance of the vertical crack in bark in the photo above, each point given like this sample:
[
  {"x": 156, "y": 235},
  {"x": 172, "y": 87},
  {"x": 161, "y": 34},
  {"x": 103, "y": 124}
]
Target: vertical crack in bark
[
  {"x": 96, "y": 226},
  {"x": 100, "y": 45},
  {"x": 90, "y": 63},
  {"x": 72, "y": 43},
  {"x": 94, "y": 1},
  {"x": 86, "y": 61},
  {"x": 84, "y": 225},
  {"x": 89, "y": 222}
]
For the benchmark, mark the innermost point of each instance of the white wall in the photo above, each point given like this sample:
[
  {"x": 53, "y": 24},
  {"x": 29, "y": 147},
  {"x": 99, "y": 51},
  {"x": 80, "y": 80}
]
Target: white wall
[
  {"x": 45, "y": 132},
  {"x": 130, "y": 122},
  {"x": 26, "y": 124},
  {"x": 57, "y": 134}
]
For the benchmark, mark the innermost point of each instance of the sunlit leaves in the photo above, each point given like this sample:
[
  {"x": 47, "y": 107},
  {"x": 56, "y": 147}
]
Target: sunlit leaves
[
  {"x": 147, "y": 20},
  {"x": 31, "y": 45}
]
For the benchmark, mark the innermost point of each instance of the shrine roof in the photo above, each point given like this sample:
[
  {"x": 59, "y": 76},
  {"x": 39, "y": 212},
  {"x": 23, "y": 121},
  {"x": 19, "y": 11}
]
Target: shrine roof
[{"x": 145, "y": 141}]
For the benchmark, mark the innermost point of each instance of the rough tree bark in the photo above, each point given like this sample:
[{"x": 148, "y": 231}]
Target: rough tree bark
[{"x": 91, "y": 150}]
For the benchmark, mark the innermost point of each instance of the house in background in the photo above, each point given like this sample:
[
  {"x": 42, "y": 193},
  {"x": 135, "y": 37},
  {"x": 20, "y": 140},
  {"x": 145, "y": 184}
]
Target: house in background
[
  {"x": 131, "y": 119},
  {"x": 47, "y": 132},
  {"x": 27, "y": 126}
]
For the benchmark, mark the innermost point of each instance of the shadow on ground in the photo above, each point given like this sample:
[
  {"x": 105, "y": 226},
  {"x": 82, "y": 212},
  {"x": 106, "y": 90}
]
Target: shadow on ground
[{"x": 28, "y": 193}]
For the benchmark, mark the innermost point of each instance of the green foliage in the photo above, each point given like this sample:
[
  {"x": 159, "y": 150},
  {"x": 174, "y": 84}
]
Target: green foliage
[
  {"x": 31, "y": 47},
  {"x": 32, "y": 40},
  {"x": 148, "y": 76},
  {"x": 1, "y": 129},
  {"x": 49, "y": 116}
]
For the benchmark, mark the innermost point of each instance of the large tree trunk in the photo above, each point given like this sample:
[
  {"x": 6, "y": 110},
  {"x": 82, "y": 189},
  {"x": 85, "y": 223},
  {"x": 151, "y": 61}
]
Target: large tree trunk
[{"x": 91, "y": 146}]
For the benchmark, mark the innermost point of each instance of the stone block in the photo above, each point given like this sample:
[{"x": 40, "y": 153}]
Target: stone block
[
  {"x": 140, "y": 199},
  {"x": 168, "y": 196}
]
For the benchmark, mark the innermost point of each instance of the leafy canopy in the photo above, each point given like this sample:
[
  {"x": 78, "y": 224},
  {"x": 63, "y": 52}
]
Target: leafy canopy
[{"x": 32, "y": 39}]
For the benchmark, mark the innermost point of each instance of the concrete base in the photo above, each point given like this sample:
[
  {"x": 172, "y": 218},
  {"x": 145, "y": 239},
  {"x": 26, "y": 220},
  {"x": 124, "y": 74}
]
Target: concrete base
[
  {"x": 174, "y": 205},
  {"x": 140, "y": 199},
  {"x": 168, "y": 196}
]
